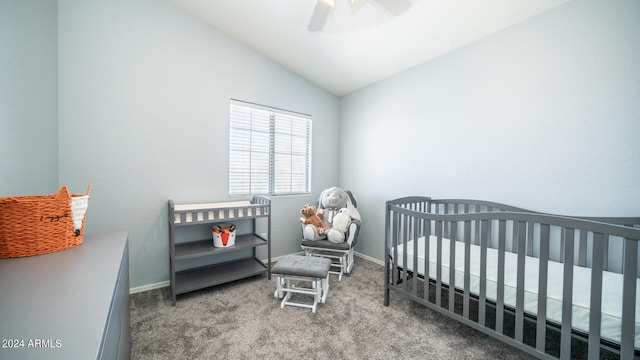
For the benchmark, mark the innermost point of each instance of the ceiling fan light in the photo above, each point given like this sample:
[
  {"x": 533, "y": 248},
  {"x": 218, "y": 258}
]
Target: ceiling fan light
[{"x": 330, "y": 3}]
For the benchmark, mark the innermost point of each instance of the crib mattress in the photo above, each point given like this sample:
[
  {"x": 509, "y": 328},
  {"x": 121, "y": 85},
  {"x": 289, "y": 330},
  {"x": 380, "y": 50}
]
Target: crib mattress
[{"x": 611, "y": 283}]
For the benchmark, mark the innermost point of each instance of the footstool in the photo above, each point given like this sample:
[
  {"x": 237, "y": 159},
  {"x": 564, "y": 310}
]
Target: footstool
[{"x": 302, "y": 268}]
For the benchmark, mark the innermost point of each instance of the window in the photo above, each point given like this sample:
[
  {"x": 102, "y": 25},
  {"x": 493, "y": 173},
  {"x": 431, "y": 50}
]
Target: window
[{"x": 269, "y": 150}]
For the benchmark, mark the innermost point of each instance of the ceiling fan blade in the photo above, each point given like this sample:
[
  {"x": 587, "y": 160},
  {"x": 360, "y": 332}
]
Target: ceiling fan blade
[
  {"x": 319, "y": 17},
  {"x": 396, "y": 7}
]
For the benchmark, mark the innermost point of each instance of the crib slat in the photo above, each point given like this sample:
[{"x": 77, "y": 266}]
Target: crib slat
[
  {"x": 562, "y": 239},
  {"x": 427, "y": 258},
  {"x": 467, "y": 267},
  {"x": 415, "y": 235},
  {"x": 595, "y": 315},
  {"x": 448, "y": 209},
  {"x": 522, "y": 239},
  {"x": 452, "y": 265},
  {"x": 405, "y": 249},
  {"x": 629, "y": 298},
  {"x": 567, "y": 294},
  {"x": 502, "y": 228},
  {"x": 482, "y": 302},
  {"x": 439, "y": 262},
  {"x": 514, "y": 239},
  {"x": 582, "y": 250},
  {"x": 605, "y": 253},
  {"x": 530, "y": 242},
  {"x": 387, "y": 261},
  {"x": 476, "y": 238},
  {"x": 541, "y": 323},
  {"x": 638, "y": 257},
  {"x": 394, "y": 239}
]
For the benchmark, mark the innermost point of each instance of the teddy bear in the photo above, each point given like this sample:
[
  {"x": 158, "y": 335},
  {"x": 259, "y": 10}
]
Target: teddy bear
[
  {"x": 313, "y": 218},
  {"x": 339, "y": 226}
]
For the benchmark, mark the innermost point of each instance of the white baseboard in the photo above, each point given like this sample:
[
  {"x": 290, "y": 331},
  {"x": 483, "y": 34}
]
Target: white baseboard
[
  {"x": 369, "y": 258},
  {"x": 166, "y": 283},
  {"x": 148, "y": 287},
  {"x": 274, "y": 259}
]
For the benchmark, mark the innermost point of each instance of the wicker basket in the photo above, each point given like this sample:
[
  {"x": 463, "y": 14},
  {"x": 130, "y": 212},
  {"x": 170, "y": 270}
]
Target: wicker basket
[{"x": 34, "y": 225}]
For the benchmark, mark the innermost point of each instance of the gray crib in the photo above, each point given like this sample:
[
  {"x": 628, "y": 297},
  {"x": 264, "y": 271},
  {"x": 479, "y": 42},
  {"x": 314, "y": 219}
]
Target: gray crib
[{"x": 552, "y": 286}]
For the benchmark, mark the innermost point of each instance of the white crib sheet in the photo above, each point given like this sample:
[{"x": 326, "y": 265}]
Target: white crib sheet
[{"x": 611, "y": 282}]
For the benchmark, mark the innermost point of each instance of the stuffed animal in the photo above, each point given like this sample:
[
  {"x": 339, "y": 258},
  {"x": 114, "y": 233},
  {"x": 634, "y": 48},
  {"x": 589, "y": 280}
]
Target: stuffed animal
[
  {"x": 339, "y": 226},
  {"x": 331, "y": 201},
  {"x": 313, "y": 218}
]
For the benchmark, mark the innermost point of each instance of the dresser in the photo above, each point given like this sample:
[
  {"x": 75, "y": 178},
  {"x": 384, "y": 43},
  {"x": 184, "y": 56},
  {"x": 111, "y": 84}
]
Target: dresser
[{"x": 71, "y": 304}]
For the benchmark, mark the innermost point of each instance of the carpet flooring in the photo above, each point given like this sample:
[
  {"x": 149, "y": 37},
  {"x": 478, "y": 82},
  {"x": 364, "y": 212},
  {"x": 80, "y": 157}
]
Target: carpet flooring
[{"x": 243, "y": 320}]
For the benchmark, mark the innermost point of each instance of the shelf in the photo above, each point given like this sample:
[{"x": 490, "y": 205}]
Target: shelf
[
  {"x": 200, "y": 248},
  {"x": 190, "y": 280}
]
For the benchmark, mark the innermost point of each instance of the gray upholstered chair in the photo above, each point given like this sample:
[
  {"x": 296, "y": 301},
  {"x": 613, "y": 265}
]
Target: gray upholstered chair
[{"x": 341, "y": 254}]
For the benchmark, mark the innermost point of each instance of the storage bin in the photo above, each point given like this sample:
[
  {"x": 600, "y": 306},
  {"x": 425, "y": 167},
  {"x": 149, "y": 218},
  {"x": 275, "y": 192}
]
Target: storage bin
[
  {"x": 224, "y": 235},
  {"x": 41, "y": 224}
]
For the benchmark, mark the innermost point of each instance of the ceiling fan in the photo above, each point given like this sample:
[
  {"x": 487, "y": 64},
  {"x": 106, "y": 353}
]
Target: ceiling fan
[{"x": 323, "y": 9}]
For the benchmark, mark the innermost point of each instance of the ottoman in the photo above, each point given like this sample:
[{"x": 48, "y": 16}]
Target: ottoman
[{"x": 294, "y": 269}]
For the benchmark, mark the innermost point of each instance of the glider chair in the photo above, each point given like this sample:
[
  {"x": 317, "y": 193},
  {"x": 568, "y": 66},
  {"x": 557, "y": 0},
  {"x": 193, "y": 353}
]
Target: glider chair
[{"x": 340, "y": 253}]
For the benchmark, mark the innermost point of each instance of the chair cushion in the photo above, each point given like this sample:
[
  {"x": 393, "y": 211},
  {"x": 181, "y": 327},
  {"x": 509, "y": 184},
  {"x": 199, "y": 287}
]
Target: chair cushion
[
  {"x": 325, "y": 244},
  {"x": 307, "y": 266}
]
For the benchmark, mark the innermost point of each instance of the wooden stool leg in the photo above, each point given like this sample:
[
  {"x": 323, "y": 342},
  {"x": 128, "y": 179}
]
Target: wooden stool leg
[
  {"x": 325, "y": 289},
  {"x": 288, "y": 295},
  {"x": 278, "y": 293},
  {"x": 318, "y": 295}
]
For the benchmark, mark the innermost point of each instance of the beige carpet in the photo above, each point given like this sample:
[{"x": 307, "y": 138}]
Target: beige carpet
[{"x": 242, "y": 320}]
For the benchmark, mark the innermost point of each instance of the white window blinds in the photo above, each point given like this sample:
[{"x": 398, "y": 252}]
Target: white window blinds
[{"x": 269, "y": 150}]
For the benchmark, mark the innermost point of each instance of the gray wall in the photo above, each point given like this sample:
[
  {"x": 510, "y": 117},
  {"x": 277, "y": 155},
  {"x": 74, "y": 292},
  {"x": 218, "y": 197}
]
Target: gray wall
[
  {"x": 144, "y": 111},
  {"x": 544, "y": 115},
  {"x": 28, "y": 97}
]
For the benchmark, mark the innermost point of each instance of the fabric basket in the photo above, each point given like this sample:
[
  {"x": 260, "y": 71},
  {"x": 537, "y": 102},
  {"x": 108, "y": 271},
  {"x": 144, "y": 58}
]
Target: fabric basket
[
  {"x": 41, "y": 224},
  {"x": 224, "y": 235}
]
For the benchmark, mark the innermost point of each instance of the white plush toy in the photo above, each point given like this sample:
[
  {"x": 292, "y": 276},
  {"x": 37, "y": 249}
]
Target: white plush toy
[{"x": 339, "y": 226}]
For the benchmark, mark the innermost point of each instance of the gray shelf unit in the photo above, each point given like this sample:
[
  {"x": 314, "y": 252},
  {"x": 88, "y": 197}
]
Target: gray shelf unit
[{"x": 246, "y": 215}]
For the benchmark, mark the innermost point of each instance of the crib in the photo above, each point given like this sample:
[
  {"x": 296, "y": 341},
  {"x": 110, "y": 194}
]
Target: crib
[{"x": 552, "y": 286}]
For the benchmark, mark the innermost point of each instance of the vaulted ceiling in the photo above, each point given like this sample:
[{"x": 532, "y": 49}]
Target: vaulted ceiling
[{"x": 363, "y": 43}]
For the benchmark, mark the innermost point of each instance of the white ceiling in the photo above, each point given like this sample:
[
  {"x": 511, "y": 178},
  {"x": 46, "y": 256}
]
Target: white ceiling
[{"x": 363, "y": 44}]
